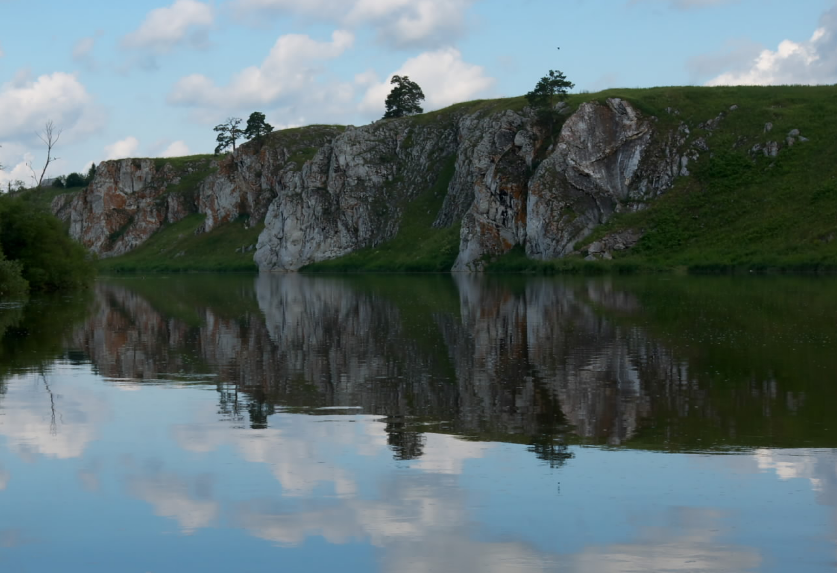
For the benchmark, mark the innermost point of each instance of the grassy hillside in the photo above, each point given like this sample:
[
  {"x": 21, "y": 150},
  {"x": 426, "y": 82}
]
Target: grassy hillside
[
  {"x": 176, "y": 248},
  {"x": 738, "y": 210}
]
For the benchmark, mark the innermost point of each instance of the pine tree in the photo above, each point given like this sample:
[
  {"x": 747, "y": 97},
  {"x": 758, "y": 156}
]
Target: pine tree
[{"x": 404, "y": 98}]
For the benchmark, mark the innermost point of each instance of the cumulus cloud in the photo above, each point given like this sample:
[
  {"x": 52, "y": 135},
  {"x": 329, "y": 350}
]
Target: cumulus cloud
[
  {"x": 176, "y": 149},
  {"x": 445, "y": 79},
  {"x": 400, "y": 23},
  {"x": 165, "y": 28},
  {"x": 289, "y": 75},
  {"x": 26, "y": 104},
  {"x": 123, "y": 148},
  {"x": 813, "y": 61}
]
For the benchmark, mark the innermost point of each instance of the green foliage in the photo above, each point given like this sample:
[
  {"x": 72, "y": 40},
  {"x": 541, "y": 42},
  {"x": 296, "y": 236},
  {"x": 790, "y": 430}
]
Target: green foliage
[
  {"x": 549, "y": 90},
  {"x": 418, "y": 246},
  {"x": 75, "y": 180},
  {"x": 50, "y": 260},
  {"x": 177, "y": 248},
  {"x": 59, "y": 183},
  {"x": 12, "y": 282},
  {"x": 257, "y": 128},
  {"x": 91, "y": 174},
  {"x": 404, "y": 99},
  {"x": 228, "y": 133}
]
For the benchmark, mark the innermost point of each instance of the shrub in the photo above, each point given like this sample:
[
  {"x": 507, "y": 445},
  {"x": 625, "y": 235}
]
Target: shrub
[
  {"x": 11, "y": 279},
  {"x": 34, "y": 239},
  {"x": 75, "y": 180}
]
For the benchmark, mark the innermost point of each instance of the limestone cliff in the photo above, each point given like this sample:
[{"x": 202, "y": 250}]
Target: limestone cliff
[{"x": 323, "y": 191}]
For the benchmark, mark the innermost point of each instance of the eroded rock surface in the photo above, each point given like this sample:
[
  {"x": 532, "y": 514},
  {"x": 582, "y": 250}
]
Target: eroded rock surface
[{"x": 323, "y": 192}]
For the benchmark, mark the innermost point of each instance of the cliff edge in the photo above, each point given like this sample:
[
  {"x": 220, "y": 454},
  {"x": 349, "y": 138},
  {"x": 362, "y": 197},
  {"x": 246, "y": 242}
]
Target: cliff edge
[{"x": 498, "y": 175}]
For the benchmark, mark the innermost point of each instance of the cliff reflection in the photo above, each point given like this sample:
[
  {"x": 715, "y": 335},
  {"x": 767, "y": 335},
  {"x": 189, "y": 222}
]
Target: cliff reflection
[{"x": 539, "y": 362}]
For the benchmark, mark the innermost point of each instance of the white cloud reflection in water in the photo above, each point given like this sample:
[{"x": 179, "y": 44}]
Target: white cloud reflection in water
[
  {"x": 45, "y": 416},
  {"x": 421, "y": 518}
]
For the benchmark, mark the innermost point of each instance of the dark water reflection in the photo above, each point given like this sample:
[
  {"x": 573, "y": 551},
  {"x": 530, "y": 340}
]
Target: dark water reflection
[
  {"x": 422, "y": 424},
  {"x": 672, "y": 364}
]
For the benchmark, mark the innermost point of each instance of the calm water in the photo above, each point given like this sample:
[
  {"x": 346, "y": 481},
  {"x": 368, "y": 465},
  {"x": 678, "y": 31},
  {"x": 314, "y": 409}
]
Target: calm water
[{"x": 421, "y": 424}]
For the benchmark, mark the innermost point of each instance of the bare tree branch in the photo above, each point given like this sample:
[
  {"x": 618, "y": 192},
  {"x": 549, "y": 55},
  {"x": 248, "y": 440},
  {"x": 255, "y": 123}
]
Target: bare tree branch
[{"x": 50, "y": 137}]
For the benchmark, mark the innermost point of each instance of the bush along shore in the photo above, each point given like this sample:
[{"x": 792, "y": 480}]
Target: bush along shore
[
  {"x": 36, "y": 254},
  {"x": 687, "y": 179}
]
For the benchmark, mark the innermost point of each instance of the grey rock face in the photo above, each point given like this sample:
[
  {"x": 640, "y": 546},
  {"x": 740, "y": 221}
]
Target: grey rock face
[
  {"x": 122, "y": 207},
  {"x": 597, "y": 169},
  {"x": 323, "y": 192},
  {"x": 493, "y": 169},
  {"x": 350, "y": 194}
]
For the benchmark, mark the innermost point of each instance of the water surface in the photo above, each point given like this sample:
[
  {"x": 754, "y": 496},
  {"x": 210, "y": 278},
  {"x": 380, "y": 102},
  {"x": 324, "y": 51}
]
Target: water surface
[{"x": 387, "y": 423}]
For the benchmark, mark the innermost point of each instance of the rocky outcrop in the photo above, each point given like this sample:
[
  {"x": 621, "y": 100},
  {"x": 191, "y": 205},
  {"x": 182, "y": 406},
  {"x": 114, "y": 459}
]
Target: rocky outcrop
[
  {"x": 124, "y": 205},
  {"x": 323, "y": 191},
  {"x": 350, "y": 195}
]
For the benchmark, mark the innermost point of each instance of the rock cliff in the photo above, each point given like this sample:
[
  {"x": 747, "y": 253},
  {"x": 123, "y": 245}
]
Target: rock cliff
[{"x": 324, "y": 191}]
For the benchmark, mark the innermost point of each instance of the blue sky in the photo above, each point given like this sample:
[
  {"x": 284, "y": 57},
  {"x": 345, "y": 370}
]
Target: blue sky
[{"x": 152, "y": 77}]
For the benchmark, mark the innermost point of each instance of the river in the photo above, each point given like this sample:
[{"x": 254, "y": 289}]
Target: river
[{"x": 421, "y": 424}]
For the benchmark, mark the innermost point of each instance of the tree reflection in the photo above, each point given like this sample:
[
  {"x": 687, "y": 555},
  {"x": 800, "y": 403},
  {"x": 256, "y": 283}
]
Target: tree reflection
[{"x": 406, "y": 443}]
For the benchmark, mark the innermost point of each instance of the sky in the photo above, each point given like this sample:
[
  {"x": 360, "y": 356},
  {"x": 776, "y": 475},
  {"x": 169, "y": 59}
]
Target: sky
[{"x": 151, "y": 78}]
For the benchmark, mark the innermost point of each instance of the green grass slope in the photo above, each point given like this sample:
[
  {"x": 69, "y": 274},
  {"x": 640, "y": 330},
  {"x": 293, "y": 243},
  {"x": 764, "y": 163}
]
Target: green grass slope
[
  {"x": 418, "y": 246},
  {"x": 176, "y": 248},
  {"x": 737, "y": 211}
]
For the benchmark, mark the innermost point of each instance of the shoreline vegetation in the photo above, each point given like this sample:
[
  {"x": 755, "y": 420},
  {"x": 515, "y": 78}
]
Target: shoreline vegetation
[
  {"x": 36, "y": 253},
  {"x": 739, "y": 212}
]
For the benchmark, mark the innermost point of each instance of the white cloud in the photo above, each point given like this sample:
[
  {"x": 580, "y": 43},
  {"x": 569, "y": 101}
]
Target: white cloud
[
  {"x": 123, "y": 148},
  {"x": 736, "y": 55},
  {"x": 19, "y": 172},
  {"x": 165, "y": 28},
  {"x": 27, "y": 104},
  {"x": 176, "y": 149},
  {"x": 288, "y": 75},
  {"x": 83, "y": 47},
  {"x": 401, "y": 23},
  {"x": 443, "y": 76},
  {"x": 809, "y": 62}
]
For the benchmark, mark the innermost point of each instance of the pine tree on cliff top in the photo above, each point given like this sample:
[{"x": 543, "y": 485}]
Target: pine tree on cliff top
[
  {"x": 257, "y": 128},
  {"x": 404, "y": 98}
]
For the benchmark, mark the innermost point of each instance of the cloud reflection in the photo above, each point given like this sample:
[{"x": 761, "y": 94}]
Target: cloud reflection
[
  {"x": 173, "y": 497},
  {"x": 690, "y": 541},
  {"x": 43, "y": 417}
]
